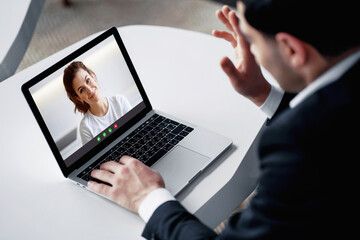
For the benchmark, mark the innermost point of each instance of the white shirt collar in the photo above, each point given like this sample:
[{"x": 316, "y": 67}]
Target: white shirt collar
[{"x": 325, "y": 79}]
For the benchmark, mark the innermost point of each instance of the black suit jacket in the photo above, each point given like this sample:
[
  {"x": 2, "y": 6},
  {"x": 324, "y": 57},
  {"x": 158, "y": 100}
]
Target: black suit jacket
[{"x": 307, "y": 188}]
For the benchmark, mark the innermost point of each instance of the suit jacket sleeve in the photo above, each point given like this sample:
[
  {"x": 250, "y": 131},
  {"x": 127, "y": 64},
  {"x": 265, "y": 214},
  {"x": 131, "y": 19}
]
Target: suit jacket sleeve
[{"x": 172, "y": 221}]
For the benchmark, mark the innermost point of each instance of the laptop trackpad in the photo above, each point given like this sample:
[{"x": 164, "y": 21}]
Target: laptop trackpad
[{"x": 179, "y": 166}]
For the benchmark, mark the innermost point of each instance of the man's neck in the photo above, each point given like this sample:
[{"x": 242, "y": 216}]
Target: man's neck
[
  {"x": 324, "y": 64},
  {"x": 328, "y": 76}
]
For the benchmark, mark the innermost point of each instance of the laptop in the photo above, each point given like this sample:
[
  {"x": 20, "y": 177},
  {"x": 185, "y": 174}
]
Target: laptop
[{"x": 81, "y": 140}]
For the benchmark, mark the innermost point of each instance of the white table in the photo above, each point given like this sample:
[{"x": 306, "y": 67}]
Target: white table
[{"x": 180, "y": 72}]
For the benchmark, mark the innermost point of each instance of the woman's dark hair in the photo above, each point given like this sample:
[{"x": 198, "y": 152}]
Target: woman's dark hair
[
  {"x": 68, "y": 77},
  {"x": 328, "y": 25}
]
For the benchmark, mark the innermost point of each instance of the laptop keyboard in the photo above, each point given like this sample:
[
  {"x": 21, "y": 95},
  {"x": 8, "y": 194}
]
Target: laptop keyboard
[{"x": 148, "y": 143}]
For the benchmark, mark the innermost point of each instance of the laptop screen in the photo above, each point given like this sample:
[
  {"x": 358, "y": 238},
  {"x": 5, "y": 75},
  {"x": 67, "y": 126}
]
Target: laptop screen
[{"x": 87, "y": 99}]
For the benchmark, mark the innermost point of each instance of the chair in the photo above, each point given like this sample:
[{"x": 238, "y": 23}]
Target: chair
[{"x": 16, "y": 52}]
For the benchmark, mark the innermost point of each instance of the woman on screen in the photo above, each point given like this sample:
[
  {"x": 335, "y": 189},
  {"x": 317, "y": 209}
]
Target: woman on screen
[{"x": 99, "y": 112}]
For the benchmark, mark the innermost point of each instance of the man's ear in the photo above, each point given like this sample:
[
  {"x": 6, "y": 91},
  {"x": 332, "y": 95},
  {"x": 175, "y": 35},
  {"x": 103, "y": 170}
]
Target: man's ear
[{"x": 292, "y": 49}]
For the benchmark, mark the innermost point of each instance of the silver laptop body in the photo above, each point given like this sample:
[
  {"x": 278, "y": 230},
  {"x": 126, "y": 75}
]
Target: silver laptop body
[{"x": 185, "y": 149}]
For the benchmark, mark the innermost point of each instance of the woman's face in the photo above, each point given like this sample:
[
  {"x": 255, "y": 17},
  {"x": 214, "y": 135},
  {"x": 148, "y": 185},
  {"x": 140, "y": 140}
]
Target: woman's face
[{"x": 86, "y": 87}]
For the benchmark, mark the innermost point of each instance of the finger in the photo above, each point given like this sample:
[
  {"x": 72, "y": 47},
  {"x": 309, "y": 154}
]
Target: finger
[
  {"x": 103, "y": 175},
  {"x": 99, "y": 188},
  {"x": 110, "y": 166},
  {"x": 234, "y": 21},
  {"x": 225, "y": 35},
  {"x": 126, "y": 159},
  {"x": 230, "y": 70},
  {"x": 221, "y": 16},
  {"x": 133, "y": 164},
  {"x": 226, "y": 10},
  {"x": 244, "y": 44}
]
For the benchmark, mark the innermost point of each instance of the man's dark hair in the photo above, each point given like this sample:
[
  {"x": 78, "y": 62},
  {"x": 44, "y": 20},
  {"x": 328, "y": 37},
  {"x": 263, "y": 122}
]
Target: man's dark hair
[{"x": 330, "y": 26}]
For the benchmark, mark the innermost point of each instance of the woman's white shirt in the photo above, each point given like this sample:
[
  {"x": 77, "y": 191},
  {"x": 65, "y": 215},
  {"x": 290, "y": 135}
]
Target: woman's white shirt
[{"x": 92, "y": 125}]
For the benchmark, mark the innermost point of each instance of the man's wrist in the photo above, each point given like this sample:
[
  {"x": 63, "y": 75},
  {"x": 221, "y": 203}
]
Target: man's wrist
[
  {"x": 261, "y": 94},
  {"x": 272, "y": 102},
  {"x": 152, "y": 201}
]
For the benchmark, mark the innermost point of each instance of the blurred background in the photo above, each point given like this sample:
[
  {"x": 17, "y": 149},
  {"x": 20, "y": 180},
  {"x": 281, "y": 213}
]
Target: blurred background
[{"x": 64, "y": 22}]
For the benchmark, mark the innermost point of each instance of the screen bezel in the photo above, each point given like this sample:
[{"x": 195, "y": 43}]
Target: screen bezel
[{"x": 66, "y": 170}]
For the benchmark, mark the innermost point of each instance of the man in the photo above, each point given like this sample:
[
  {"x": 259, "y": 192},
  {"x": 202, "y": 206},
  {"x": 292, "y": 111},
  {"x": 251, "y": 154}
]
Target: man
[{"x": 307, "y": 153}]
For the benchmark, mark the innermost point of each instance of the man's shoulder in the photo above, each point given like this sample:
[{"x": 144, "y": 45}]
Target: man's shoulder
[
  {"x": 319, "y": 126},
  {"x": 323, "y": 116},
  {"x": 337, "y": 98}
]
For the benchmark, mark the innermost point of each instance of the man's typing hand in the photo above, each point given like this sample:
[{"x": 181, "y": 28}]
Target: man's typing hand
[{"x": 131, "y": 182}]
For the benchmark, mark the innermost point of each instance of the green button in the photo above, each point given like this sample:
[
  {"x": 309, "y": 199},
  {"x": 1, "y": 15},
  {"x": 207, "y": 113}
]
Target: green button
[
  {"x": 104, "y": 134},
  {"x": 110, "y": 130},
  {"x": 98, "y": 138}
]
